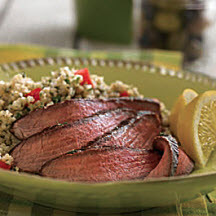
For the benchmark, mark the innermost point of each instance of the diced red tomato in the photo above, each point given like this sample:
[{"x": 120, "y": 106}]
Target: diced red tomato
[
  {"x": 86, "y": 76},
  {"x": 35, "y": 93},
  {"x": 3, "y": 165},
  {"x": 124, "y": 94}
]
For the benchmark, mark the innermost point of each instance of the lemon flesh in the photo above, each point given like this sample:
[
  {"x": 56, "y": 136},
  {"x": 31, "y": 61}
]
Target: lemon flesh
[{"x": 207, "y": 127}]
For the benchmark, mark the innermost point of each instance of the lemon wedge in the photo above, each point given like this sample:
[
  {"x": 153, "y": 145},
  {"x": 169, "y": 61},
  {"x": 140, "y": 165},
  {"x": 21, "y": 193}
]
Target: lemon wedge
[
  {"x": 196, "y": 128},
  {"x": 186, "y": 97}
]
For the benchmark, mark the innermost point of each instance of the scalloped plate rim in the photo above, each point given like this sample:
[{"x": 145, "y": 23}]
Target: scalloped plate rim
[{"x": 53, "y": 61}]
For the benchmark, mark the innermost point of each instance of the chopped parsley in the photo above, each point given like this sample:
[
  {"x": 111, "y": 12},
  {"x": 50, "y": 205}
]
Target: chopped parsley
[
  {"x": 18, "y": 115},
  {"x": 56, "y": 99},
  {"x": 28, "y": 109},
  {"x": 67, "y": 81},
  {"x": 61, "y": 124},
  {"x": 72, "y": 152}
]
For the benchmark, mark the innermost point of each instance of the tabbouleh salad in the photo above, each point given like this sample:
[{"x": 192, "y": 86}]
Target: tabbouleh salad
[{"x": 22, "y": 95}]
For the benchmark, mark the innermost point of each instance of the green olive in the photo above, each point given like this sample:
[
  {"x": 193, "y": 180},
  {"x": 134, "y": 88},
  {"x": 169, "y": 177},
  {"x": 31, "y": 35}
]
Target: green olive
[{"x": 166, "y": 21}]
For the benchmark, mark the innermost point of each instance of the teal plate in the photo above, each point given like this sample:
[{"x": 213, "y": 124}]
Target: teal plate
[{"x": 118, "y": 196}]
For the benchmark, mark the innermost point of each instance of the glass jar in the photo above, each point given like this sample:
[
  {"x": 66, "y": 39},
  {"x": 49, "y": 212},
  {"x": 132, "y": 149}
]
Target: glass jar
[{"x": 174, "y": 25}]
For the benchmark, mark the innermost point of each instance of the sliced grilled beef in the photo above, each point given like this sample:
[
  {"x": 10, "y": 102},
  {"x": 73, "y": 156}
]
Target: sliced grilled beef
[
  {"x": 168, "y": 147},
  {"x": 32, "y": 153},
  {"x": 138, "y": 133},
  {"x": 73, "y": 110},
  {"x": 185, "y": 164},
  {"x": 102, "y": 165}
]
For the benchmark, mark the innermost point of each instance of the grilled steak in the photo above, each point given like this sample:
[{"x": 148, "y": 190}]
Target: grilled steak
[
  {"x": 138, "y": 133},
  {"x": 101, "y": 165},
  {"x": 73, "y": 110},
  {"x": 32, "y": 153},
  {"x": 168, "y": 147},
  {"x": 185, "y": 164},
  {"x": 103, "y": 140},
  {"x": 174, "y": 160}
]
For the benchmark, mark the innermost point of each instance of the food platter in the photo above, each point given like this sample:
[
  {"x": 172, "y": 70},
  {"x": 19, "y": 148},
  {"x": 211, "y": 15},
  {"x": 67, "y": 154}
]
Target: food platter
[{"x": 156, "y": 82}]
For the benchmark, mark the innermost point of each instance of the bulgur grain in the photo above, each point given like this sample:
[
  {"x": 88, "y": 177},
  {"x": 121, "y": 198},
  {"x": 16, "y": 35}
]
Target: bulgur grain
[{"x": 61, "y": 85}]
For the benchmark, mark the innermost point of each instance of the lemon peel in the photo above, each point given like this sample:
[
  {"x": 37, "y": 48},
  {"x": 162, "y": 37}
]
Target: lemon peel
[{"x": 186, "y": 97}]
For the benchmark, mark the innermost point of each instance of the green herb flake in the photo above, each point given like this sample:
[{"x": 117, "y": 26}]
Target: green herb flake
[
  {"x": 61, "y": 124},
  {"x": 67, "y": 81},
  {"x": 77, "y": 79},
  {"x": 28, "y": 109},
  {"x": 18, "y": 115},
  {"x": 162, "y": 134},
  {"x": 56, "y": 99},
  {"x": 72, "y": 152}
]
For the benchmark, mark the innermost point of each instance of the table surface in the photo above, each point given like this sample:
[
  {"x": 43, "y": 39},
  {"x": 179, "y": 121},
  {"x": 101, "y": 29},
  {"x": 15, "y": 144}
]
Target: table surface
[{"x": 53, "y": 23}]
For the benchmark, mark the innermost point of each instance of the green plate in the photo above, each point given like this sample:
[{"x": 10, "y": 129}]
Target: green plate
[{"x": 119, "y": 196}]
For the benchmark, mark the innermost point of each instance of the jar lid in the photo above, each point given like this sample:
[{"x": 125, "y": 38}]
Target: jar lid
[{"x": 180, "y": 4}]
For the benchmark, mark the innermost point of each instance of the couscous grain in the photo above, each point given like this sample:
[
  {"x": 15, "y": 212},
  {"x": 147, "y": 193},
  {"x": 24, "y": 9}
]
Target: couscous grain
[{"x": 61, "y": 85}]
